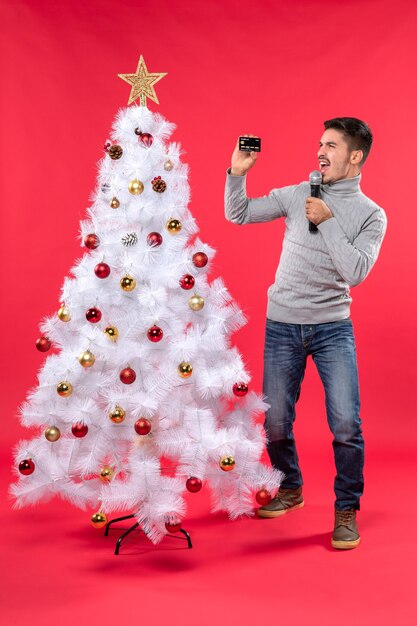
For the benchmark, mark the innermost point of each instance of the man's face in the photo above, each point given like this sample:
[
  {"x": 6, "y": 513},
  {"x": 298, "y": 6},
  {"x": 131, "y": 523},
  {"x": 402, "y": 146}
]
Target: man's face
[{"x": 336, "y": 160}]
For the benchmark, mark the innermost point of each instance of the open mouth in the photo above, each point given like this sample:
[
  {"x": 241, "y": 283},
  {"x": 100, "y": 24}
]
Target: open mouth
[{"x": 324, "y": 166}]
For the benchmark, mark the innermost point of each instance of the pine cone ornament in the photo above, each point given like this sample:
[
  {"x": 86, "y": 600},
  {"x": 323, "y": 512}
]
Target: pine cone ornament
[
  {"x": 130, "y": 239},
  {"x": 158, "y": 184},
  {"x": 115, "y": 152}
]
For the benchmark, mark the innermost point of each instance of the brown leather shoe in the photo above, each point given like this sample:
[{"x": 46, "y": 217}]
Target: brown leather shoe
[
  {"x": 345, "y": 534},
  {"x": 285, "y": 501}
]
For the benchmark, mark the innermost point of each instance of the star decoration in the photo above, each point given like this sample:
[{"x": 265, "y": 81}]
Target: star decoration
[{"x": 142, "y": 83}]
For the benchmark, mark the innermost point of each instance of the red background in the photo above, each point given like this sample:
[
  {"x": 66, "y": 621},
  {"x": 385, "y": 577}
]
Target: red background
[{"x": 270, "y": 68}]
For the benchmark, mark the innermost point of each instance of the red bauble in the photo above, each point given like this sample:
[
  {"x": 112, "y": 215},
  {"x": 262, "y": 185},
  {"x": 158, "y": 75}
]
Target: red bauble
[
  {"x": 102, "y": 270},
  {"x": 187, "y": 281},
  {"x": 263, "y": 497},
  {"x": 155, "y": 334},
  {"x": 200, "y": 259},
  {"x": 127, "y": 376},
  {"x": 43, "y": 344},
  {"x": 240, "y": 389},
  {"x": 173, "y": 527},
  {"x": 26, "y": 467},
  {"x": 154, "y": 239},
  {"x": 93, "y": 315},
  {"x": 79, "y": 429},
  {"x": 193, "y": 484},
  {"x": 146, "y": 139},
  {"x": 143, "y": 426},
  {"x": 91, "y": 241}
]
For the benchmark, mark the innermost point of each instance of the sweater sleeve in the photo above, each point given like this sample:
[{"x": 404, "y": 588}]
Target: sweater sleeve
[
  {"x": 243, "y": 210},
  {"x": 355, "y": 260}
]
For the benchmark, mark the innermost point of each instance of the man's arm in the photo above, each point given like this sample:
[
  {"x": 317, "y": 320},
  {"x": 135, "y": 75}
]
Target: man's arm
[
  {"x": 243, "y": 210},
  {"x": 354, "y": 260}
]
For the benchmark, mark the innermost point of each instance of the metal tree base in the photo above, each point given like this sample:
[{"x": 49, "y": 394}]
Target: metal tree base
[{"x": 132, "y": 528}]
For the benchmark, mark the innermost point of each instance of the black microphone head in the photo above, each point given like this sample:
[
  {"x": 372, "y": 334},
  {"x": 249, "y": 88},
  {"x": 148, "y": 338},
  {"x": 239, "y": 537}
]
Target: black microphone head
[{"x": 315, "y": 178}]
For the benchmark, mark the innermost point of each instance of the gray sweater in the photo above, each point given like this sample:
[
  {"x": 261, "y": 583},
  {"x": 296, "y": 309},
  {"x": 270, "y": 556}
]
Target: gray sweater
[{"x": 316, "y": 269}]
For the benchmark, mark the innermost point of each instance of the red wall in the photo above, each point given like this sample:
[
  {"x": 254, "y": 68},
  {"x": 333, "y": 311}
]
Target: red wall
[{"x": 273, "y": 68}]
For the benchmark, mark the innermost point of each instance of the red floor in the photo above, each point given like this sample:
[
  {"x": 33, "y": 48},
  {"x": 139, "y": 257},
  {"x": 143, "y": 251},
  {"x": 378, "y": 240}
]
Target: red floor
[{"x": 57, "y": 569}]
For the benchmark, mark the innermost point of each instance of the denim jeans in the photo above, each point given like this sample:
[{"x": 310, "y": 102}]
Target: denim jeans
[{"x": 332, "y": 346}]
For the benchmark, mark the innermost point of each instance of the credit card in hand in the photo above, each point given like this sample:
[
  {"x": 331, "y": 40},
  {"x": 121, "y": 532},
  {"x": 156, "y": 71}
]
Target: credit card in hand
[{"x": 250, "y": 144}]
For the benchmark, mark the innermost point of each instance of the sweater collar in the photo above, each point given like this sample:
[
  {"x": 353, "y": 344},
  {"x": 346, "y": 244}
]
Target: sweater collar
[{"x": 344, "y": 186}]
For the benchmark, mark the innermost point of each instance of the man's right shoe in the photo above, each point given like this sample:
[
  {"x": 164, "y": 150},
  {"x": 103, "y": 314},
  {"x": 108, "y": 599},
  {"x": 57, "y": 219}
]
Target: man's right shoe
[{"x": 285, "y": 501}]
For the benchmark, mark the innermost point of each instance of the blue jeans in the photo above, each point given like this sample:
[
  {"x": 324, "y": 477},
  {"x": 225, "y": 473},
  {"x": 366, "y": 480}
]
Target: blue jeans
[{"x": 332, "y": 346}]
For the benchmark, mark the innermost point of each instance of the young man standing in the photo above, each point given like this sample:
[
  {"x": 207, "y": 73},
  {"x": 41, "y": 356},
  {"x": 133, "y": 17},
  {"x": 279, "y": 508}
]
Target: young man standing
[{"x": 309, "y": 306}]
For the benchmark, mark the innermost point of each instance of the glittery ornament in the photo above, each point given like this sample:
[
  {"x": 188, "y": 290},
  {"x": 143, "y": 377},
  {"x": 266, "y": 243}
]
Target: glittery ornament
[
  {"x": 115, "y": 203},
  {"x": 196, "y": 303},
  {"x": 187, "y": 281},
  {"x": 127, "y": 283},
  {"x": 158, "y": 184},
  {"x": 130, "y": 239},
  {"x": 87, "y": 359},
  {"x": 174, "y": 226},
  {"x": 227, "y": 463},
  {"x": 200, "y": 259},
  {"x": 240, "y": 389},
  {"x": 91, "y": 241},
  {"x": 143, "y": 426},
  {"x": 193, "y": 484},
  {"x": 98, "y": 520},
  {"x": 135, "y": 187},
  {"x": 142, "y": 83},
  {"x": 64, "y": 314},
  {"x": 168, "y": 165},
  {"x": 64, "y": 389},
  {"x": 185, "y": 369},
  {"x": 93, "y": 315},
  {"x": 117, "y": 414},
  {"x": 145, "y": 139},
  {"x": 112, "y": 333},
  {"x": 115, "y": 152},
  {"x": 26, "y": 467},
  {"x": 102, "y": 270},
  {"x": 263, "y": 497},
  {"x": 79, "y": 430},
  {"x": 154, "y": 239},
  {"x": 52, "y": 433},
  {"x": 106, "y": 474},
  {"x": 127, "y": 376},
  {"x": 43, "y": 344},
  {"x": 155, "y": 334}
]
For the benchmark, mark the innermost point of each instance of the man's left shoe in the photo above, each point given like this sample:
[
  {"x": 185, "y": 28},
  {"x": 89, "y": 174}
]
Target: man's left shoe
[{"x": 345, "y": 534}]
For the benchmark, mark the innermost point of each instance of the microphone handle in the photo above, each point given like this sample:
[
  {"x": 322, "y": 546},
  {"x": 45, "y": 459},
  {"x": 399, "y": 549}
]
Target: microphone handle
[{"x": 315, "y": 193}]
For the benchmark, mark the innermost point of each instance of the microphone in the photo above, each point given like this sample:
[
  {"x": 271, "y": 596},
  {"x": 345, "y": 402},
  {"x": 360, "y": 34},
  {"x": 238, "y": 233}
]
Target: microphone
[{"x": 315, "y": 182}]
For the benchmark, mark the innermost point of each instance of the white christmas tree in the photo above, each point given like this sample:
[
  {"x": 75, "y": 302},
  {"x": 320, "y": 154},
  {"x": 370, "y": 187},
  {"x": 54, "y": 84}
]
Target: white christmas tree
[{"x": 144, "y": 397}]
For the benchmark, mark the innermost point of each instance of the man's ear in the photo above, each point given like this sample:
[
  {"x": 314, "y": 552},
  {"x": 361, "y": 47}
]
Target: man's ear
[{"x": 356, "y": 157}]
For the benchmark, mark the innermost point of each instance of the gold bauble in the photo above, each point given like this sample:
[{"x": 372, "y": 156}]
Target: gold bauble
[
  {"x": 127, "y": 283},
  {"x": 64, "y": 389},
  {"x": 168, "y": 165},
  {"x": 52, "y": 433},
  {"x": 112, "y": 333},
  {"x": 117, "y": 414},
  {"x": 174, "y": 226},
  {"x": 98, "y": 520},
  {"x": 64, "y": 314},
  {"x": 87, "y": 359},
  {"x": 135, "y": 187},
  {"x": 115, "y": 203},
  {"x": 227, "y": 463},
  {"x": 185, "y": 369},
  {"x": 106, "y": 474},
  {"x": 196, "y": 303}
]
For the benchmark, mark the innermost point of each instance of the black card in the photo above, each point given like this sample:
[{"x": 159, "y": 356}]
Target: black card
[{"x": 250, "y": 144}]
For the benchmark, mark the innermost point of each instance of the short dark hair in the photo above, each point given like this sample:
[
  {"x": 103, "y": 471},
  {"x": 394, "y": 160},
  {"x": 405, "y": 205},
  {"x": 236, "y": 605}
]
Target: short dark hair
[{"x": 358, "y": 134}]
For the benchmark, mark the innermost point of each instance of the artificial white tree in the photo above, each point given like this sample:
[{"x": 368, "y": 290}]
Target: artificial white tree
[{"x": 144, "y": 396}]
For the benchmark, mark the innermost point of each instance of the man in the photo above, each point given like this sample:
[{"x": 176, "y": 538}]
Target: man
[{"x": 309, "y": 306}]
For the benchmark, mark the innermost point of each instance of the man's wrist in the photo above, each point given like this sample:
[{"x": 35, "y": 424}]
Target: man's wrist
[{"x": 235, "y": 171}]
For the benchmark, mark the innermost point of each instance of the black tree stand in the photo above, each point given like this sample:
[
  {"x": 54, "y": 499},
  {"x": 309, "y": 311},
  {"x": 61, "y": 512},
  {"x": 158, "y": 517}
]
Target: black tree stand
[{"x": 132, "y": 528}]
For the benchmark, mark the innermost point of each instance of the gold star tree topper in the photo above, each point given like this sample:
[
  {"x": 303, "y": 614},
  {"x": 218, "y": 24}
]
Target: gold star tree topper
[{"x": 142, "y": 83}]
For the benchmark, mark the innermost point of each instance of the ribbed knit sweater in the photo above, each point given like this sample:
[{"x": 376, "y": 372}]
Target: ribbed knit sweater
[{"x": 315, "y": 269}]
